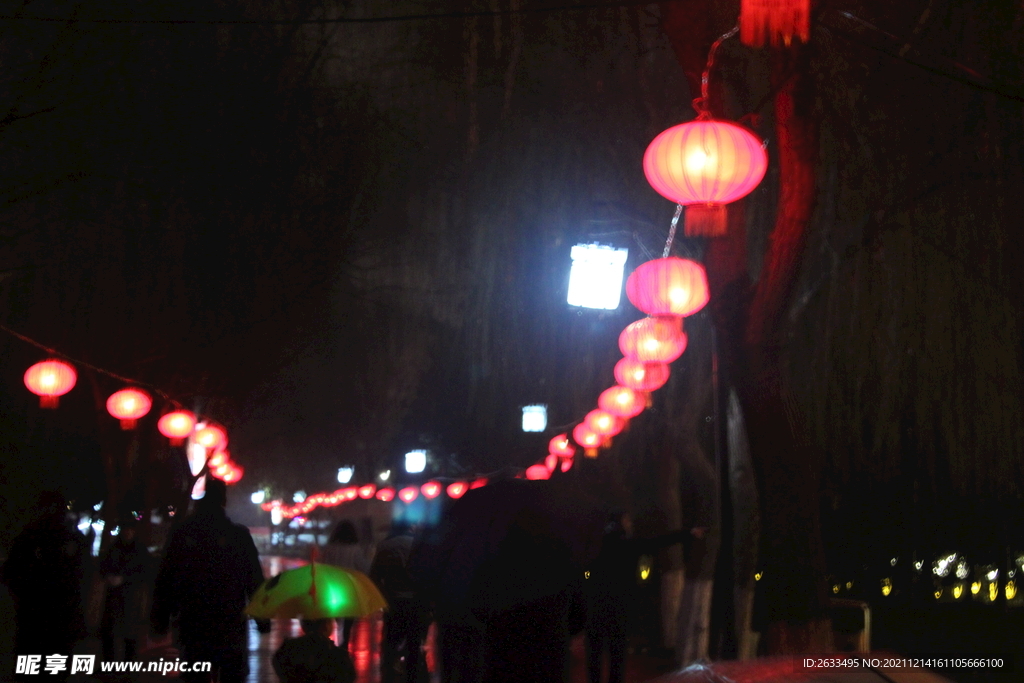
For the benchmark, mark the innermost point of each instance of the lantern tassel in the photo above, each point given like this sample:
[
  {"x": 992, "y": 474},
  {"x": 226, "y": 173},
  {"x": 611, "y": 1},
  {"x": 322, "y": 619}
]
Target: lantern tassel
[
  {"x": 705, "y": 220},
  {"x": 775, "y": 22}
]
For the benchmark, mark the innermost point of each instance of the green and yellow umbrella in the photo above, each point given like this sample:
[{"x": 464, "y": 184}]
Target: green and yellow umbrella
[{"x": 316, "y": 591}]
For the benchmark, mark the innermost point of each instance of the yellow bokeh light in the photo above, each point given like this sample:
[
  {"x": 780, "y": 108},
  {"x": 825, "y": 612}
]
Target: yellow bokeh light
[
  {"x": 757, "y": 576},
  {"x": 958, "y": 590},
  {"x": 1011, "y": 590},
  {"x": 993, "y": 591},
  {"x": 835, "y": 588},
  {"x": 976, "y": 587},
  {"x": 938, "y": 594},
  {"x": 886, "y": 586},
  {"x": 849, "y": 585}
]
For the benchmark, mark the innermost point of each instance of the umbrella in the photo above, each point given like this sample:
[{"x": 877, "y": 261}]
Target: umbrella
[{"x": 316, "y": 591}]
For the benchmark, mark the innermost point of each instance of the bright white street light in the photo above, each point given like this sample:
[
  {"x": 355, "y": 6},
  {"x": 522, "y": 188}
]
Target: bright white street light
[
  {"x": 345, "y": 474},
  {"x": 276, "y": 516},
  {"x": 595, "y": 280},
  {"x": 299, "y": 496},
  {"x": 535, "y": 418},
  {"x": 415, "y": 461},
  {"x": 385, "y": 475},
  {"x": 258, "y": 497}
]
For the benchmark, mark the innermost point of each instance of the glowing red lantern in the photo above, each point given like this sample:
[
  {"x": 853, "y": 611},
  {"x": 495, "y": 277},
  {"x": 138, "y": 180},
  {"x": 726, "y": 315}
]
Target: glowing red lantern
[
  {"x": 776, "y": 22},
  {"x": 408, "y": 494},
  {"x": 668, "y": 286},
  {"x": 560, "y": 445},
  {"x": 233, "y": 475},
  {"x": 211, "y": 436},
  {"x": 585, "y": 436},
  {"x": 49, "y": 380},
  {"x": 219, "y": 458},
  {"x": 479, "y": 483},
  {"x": 653, "y": 340},
  {"x": 704, "y": 165},
  {"x": 431, "y": 489},
  {"x": 604, "y": 423},
  {"x": 457, "y": 489},
  {"x": 622, "y": 402},
  {"x": 551, "y": 462},
  {"x": 222, "y": 469},
  {"x": 386, "y": 495},
  {"x": 128, "y": 405},
  {"x": 640, "y": 376},
  {"x": 177, "y": 426},
  {"x": 349, "y": 493},
  {"x": 366, "y": 492},
  {"x": 536, "y": 472},
  {"x": 566, "y": 464}
]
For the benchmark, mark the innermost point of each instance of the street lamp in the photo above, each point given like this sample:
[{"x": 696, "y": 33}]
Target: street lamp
[
  {"x": 345, "y": 474},
  {"x": 595, "y": 279},
  {"x": 299, "y": 496},
  {"x": 385, "y": 475},
  {"x": 535, "y": 418},
  {"x": 258, "y": 497},
  {"x": 415, "y": 461}
]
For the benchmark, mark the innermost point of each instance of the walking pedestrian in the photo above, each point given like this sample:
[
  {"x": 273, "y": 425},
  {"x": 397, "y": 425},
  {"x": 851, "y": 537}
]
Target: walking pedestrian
[
  {"x": 123, "y": 567},
  {"x": 344, "y": 550},
  {"x": 313, "y": 657},
  {"x": 405, "y": 620},
  {"x": 44, "y": 574},
  {"x": 209, "y": 573}
]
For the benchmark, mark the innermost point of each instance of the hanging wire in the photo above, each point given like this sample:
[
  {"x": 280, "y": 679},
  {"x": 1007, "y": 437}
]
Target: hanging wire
[
  {"x": 672, "y": 231},
  {"x": 700, "y": 104}
]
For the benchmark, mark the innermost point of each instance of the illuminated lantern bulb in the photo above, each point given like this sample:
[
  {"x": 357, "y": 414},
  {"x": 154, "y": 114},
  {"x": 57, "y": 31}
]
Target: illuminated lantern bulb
[
  {"x": 622, "y": 402},
  {"x": 177, "y": 426},
  {"x": 479, "y": 483},
  {"x": 219, "y": 458},
  {"x": 704, "y": 165},
  {"x": 408, "y": 494},
  {"x": 233, "y": 475},
  {"x": 653, "y": 340},
  {"x": 431, "y": 490},
  {"x": 49, "y": 380},
  {"x": 668, "y": 286},
  {"x": 386, "y": 494},
  {"x": 585, "y": 436},
  {"x": 640, "y": 376},
  {"x": 220, "y": 470},
  {"x": 457, "y": 489},
  {"x": 128, "y": 405},
  {"x": 211, "y": 436},
  {"x": 349, "y": 493},
  {"x": 560, "y": 446},
  {"x": 604, "y": 423},
  {"x": 366, "y": 492},
  {"x": 536, "y": 472}
]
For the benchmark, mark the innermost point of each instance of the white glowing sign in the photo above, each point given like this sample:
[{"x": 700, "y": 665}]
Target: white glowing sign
[
  {"x": 415, "y": 461},
  {"x": 535, "y": 418},
  {"x": 595, "y": 280}
]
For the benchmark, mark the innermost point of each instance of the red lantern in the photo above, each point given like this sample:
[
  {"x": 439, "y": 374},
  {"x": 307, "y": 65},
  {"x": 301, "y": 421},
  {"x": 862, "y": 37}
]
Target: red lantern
[
  {"x": 622, "y": 402},
  {"x": 177, "y": 426},
  {"x": 218, "y": 459},
  {"x": 349, "y": 493},
  {"x": 551, "y": 462},
  {"x": 604, "y": 423},
  {"x": 408, "y": 494},
  {"x": 211, "y": 436},
  {"x": 457, "y": 489},
  {"x": 653, "y": 340},
  {"x": 775, "y": 22},
  {"x": 566, "y": 464},
  {"x": 128, "y": 405},
  {"x": 668, "y": 286},
  {"x": 585, "y": 436},
  {"x": 233, "y": 475},
  {"x": 479, "y": 483},
  {"x": 640, "y": 376},
  {"x": 49, "y": 380},
  {"x": 704, "y": 165},
  {"x": 431, "y": 490},
  {"x": 386, "y": 495},
  {"x": 560, "y": 445},
  {"x": 366, "y": 492},
  {"x": 537, "y": 472}
]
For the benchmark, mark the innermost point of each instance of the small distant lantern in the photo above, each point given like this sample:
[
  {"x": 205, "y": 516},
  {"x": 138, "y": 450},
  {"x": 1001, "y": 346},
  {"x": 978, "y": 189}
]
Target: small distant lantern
[
  {"x": 604, "y": 423},
  {"x": 640, "y": 376},
  {"x": 595, "y": 279},
  {"x": 560, "y": 445},
  {"x": 219, "y": 458},
  {"x": 177, "y": 426},
  {"x": 537, "y": 472},
  {"x": 653, "y": 340},
  {"x": 431, "y": 490},
  {"x": 622, "y": 402},
  {"x": 479, "y": 483},
  {"x": 49, "y": 380},
  {"x": 668, "y": 286},
  {"x": 366, "y": 492},
  {"x": 386, "y": 494},
  {"x": 408, "y": 494},
  {"x": 457, "y": 489},
  {"x": 349, "y": 493},
  {"x": 128, "y": 405},
  {"x": 211, "y": 436},
  {"x": 566, "y": 464},
  {"x": 535, "y": 418},
  {"x": 551, "y": 462}
]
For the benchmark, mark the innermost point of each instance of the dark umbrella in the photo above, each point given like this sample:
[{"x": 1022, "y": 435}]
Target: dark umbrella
[{"x": 507, "y": 543}]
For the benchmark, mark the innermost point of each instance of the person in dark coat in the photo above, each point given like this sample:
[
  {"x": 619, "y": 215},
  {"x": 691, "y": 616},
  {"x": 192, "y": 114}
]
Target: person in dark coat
[
  {"x": 209, "y": 573},
  {"x": 344, "y": 550},
  {"x": 405, "y": 621},
  {"x": 123, "y": 568},
  {"x": 610, "y": 586},
  {"x": 44, "y": 574},
  {"x": 313, "y": 657}
]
